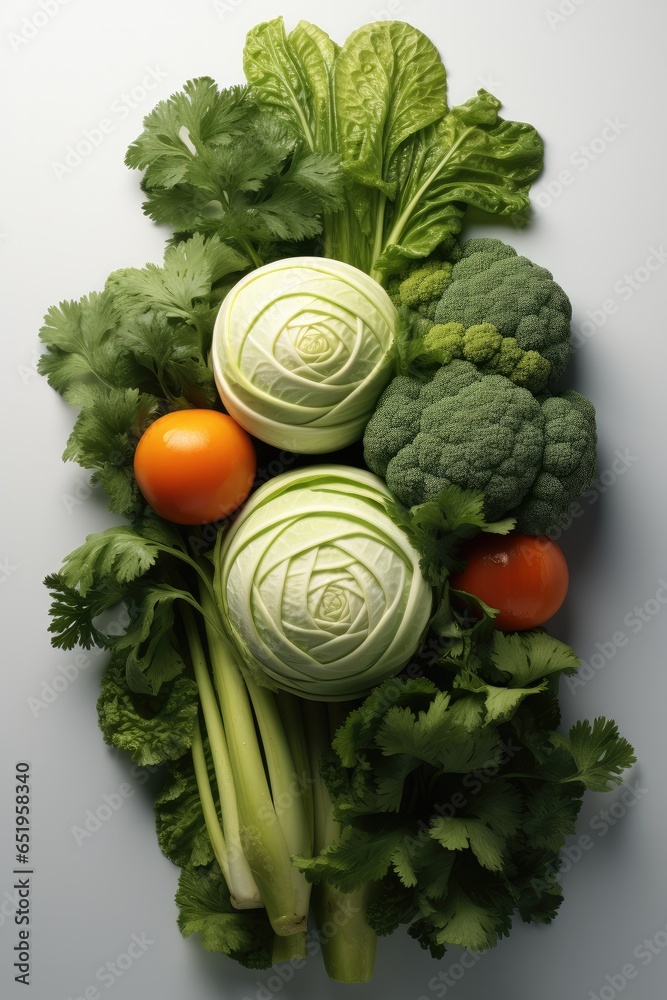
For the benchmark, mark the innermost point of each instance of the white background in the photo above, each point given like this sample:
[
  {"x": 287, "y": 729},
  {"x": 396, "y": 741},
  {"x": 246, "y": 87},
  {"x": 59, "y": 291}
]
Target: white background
[{"x": 600, "y": 215}]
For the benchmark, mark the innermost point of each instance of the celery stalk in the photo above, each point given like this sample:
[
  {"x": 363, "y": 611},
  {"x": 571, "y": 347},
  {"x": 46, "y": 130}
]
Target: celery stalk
[
  {"x": 243, "y": 889},
  {"x": 348, "y": 942},
  {"x": 283, "y": 889}
]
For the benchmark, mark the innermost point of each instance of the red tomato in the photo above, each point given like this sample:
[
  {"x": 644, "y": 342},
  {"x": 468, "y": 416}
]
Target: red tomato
[
  {"x": 194, "y": 466},
  {"x": 524, "y": 576}
]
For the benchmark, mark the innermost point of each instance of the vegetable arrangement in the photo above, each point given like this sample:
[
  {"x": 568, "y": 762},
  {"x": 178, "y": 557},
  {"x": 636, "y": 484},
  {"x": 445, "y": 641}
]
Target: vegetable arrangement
[{"x": 347, "y": 684}]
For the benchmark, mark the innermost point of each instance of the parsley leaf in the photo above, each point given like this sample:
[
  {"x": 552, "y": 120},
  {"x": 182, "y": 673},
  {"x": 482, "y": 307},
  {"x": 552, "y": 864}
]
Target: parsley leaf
[
  {"x": 438, "y": 527},
  {"x": 216, "y": 163},
  {"x": 119, "y": 553},
  {"x": 82, "y": 346},
  {"x": 205, "y": 908},
  {"x": 73, "y": 614},
  {"x": 526, "y": 657},
  {"x": 598, "y": 752},
  {"x": 150, "y": 729},
  {"x": 179, "y": 818},
  {"x": 104, "y": 439}
]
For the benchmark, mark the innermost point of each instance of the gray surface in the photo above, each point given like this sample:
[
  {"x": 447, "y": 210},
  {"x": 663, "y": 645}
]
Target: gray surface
[{"x": 62, "y": 237}]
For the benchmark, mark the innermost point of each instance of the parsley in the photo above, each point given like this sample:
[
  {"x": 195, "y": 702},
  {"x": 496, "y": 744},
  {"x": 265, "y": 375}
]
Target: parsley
[{"x": 215, "y": 163}]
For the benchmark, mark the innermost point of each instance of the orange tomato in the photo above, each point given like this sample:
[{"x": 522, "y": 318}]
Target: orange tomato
[
  {"x": 195, "y": 466},
  {"x": 524, "y": 576}
]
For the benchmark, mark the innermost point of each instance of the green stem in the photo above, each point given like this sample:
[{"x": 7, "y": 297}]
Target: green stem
[
  {"x": 379, "y": 233},
  {"x": 242, "y": 886},
  {"x": 286, "y": 790},
  {"x": 282, "y": 887},
  {"x": 348, "y": 943},
  {"x": 213, "y": 827},
  {"x": 289, "y": 707},
  {"x": 287, "y": 948}
]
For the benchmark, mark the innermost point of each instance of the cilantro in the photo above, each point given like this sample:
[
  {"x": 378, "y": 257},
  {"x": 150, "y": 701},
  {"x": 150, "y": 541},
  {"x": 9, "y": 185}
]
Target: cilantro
[
  {"x": 214, "y": 163},
  {"x": 82, "y": 346},
  {"x": 598, "y": 753},
  {"x": 438, "y": 527},
  {"x": 104, "y": 439}
]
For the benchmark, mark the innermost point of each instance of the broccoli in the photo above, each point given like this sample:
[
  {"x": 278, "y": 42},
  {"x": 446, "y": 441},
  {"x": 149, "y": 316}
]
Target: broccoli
[
  {"x": 484, "y": 347},
  {"x": 420, "y": 288},
  {"x": 484, "y": 281},
  {"x": 491, "y": 284},
  {"x": 530, "y": 456}
]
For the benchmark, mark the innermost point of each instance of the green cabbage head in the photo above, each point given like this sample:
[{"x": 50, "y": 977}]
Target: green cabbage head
[
  {"x": 320, "y": 589},
  {"x": 302, "y": 349}
]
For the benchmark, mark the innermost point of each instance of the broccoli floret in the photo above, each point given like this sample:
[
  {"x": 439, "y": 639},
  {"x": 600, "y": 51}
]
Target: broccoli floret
[
  {"x": 489, "y": 283},
  {"x": 488, "y": 350},
  {"x": 568, "y": 463},
  {"x": 420, "y": 288},
  {"x": 530, "y": 456}
]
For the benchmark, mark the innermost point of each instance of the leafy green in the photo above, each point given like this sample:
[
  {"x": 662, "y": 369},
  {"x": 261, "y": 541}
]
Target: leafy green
[
  {"x": 215, "y": 163},
  {"x": 205, "y": 908},
  {"x": 412, "y": 165},
  {"x": 82, "y": 346},
  {"x": 119, "y": 553},
  {"x": 73, "y": 614},
  {"x": 390, "y": 83},
  {"x": 599, "y": 754},
  {"x": 179, "y": 818},
  {"x": 293, "y": 74},
  {"x": 465, "y": 792},
  {"x": 151, "y": 729},
  {"x": 525, "y": 657},
  {"x": 104, "y": 438},
  {"x": 470, "y": 157},
  {"x": 438, "y": 527},
  {"x": 151, "y": 643}
]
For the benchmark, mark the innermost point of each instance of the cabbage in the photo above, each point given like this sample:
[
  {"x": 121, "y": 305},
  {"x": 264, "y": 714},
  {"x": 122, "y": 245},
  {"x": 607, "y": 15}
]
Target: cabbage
[
  {"x": 301, "y": 352},
  {"x": 321, "y": 589}
]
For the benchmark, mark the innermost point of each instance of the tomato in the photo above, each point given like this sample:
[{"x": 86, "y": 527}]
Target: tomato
[
  {"x": 195, "y": 466},
  {"x": 524, "y": 576}
]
